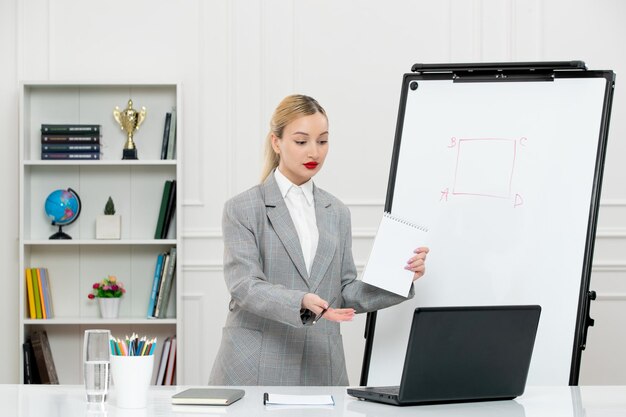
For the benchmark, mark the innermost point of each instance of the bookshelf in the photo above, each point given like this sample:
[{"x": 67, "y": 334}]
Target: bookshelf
[{"x": 136, "y": 187}]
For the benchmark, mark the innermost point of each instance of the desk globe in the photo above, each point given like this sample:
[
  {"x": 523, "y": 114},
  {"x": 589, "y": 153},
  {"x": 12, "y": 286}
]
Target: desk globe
[{"x": 62, "y": 208}]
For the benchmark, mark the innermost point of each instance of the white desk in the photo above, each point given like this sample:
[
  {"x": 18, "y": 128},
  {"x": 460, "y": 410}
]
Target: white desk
[{"x": 68, "y": 401}]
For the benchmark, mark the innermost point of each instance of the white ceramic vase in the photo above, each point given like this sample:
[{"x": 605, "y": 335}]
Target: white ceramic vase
[
  {"x": 109, "y": 226},
  {"x": 109, "y": 307}
]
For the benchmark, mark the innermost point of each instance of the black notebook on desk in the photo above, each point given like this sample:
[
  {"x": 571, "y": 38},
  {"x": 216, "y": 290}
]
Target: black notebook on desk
[{"x": 459, "y": 354}]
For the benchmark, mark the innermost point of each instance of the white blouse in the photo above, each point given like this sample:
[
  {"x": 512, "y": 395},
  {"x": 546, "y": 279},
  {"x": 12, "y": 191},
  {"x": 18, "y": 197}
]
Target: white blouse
[{"x": 301, "y": 206}]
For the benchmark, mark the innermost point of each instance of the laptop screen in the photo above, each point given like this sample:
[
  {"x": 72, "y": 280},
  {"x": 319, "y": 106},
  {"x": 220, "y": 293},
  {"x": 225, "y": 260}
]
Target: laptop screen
[{"x": 467, "y": 353}]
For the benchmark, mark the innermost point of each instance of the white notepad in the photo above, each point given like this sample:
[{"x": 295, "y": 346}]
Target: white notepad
[
  {"x": 298, "y": 400},
  {"x": 394, "y": 244}
]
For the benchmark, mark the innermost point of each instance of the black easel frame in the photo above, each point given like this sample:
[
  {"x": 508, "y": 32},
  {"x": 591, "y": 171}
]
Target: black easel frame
[{"x": 507, "y": 72}]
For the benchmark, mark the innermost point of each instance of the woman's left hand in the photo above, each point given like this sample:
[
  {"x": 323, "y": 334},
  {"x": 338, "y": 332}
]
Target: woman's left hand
[
  {"x": 339, "y": 314},
  {"x": 417, "y": 263}
]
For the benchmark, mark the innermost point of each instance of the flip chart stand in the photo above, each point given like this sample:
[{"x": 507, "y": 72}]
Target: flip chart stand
[{"x": 505, "y": 99}]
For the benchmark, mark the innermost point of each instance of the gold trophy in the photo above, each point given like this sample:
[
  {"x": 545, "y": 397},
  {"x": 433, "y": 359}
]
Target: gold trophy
[{"x": 129, "y": 120}]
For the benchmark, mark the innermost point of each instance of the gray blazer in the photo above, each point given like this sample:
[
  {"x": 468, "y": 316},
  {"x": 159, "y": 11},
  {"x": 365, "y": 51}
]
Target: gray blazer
[{"x": 264, "y": 341}]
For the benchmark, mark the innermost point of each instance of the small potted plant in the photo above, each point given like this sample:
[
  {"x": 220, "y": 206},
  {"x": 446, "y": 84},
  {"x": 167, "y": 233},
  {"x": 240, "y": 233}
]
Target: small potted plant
[
  {"x": 109, "y": 292},
  {"x": 109, "y": 224}
]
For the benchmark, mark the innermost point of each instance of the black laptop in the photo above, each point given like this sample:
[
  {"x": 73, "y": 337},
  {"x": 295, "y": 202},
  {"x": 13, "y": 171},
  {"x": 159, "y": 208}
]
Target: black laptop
[{"x": 462, "y": 354}]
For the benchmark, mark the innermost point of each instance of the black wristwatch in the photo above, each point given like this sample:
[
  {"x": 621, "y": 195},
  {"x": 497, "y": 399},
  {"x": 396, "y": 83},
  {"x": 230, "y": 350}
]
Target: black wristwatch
[{"x": 307, "y": 317}]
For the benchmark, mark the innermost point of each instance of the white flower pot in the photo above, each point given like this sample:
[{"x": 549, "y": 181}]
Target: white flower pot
[
  {"x": 109, "y": 307},
  {"x": 109, "y": 226}
]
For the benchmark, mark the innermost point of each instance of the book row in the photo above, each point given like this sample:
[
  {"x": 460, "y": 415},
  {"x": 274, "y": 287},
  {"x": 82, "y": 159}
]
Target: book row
[
  {"x": 168, "y": 146},
  {"x": 70, "y": 141},
  {"x": 39, "y": 367},
  {"x": 164, "y": 275},
  {"x": 38, "y": 363},
  {"x": 167, "y": 210},
  {"x": 70, "y": 129},
  {"x": 166, "y": 374},
  {"x": 82, "y": 141},
  {"x": 38, "y": 293}
]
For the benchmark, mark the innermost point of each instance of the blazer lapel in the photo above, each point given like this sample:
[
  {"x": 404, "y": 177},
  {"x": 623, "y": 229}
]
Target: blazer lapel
[
  {"x": 328, "y": 227},
  {"x": 279, "y": 217}
]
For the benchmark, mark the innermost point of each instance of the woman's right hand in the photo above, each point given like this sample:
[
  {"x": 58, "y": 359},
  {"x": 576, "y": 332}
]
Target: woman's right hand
[{"x": 317, "y": 304}]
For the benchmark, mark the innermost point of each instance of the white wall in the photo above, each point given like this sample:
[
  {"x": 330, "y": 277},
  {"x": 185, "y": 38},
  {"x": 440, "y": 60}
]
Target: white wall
[{"x": 238, "y": 58}]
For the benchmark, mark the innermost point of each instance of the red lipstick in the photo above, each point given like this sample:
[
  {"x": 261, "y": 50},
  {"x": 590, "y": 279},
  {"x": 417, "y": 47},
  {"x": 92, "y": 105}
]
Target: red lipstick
[{"x": 311, "y": 165}]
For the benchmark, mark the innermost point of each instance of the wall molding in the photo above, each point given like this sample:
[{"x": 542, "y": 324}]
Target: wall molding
[
  {"x": 192, "y": 296},
  {"x": 194, "y": 202},
  {"x": 364, "y": 232},
  {"x": 613, "y": 202},
  {"x": 617, "y": 296},
  {"x": 609, "y": 266},
  {"x": 603, "y": 266},
  {"x": 378, "y": 203},
  {"x": 203, "y": 233},
  {"x": 365, "y": 203},
  {"x": 203, "y": 267},
  {"x": 192, "y": 306},
  {"x": 611, "y": 233},
  {"x": 601, "y": 233},
  {"x": 370, "y": 233}
]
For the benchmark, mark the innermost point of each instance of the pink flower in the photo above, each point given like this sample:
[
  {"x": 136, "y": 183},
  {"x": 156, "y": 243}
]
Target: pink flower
[{"x": 107, "y": 287}]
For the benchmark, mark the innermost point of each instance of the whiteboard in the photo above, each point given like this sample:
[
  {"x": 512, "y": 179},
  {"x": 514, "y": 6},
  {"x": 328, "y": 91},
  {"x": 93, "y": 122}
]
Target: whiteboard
[{"x": 503, "y": 174}]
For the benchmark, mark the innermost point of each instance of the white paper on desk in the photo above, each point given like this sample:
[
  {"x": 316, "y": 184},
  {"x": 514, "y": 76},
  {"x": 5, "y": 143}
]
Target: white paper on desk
[
  {"x": 304, "y": 400},
  {"x": 394, "y": 244}
]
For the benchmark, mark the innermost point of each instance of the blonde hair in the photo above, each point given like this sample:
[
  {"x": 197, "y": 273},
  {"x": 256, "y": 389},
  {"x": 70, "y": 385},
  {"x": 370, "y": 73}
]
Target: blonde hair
[{"x": 290, "y": 108}]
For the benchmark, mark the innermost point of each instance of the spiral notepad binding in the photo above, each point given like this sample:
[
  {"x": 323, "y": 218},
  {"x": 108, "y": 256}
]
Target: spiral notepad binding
[{"x": 403, "y": 221}]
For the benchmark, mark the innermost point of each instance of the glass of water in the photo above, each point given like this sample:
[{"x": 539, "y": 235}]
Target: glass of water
[{"x": 96, "y": 362}]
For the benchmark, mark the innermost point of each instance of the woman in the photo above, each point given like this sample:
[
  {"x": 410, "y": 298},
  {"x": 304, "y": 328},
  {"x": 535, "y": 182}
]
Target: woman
[{"x": 288, "y": 258}]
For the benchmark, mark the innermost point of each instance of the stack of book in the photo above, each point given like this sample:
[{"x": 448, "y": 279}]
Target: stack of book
[
  {"x": 167, "y": 364},
  {"x": 38, "y": 293},
  {"x": 167, "y": 210},
  {"x": 39, "y": 366},
  {"x": 70, "y": 141},
  {"x": 162, "y": 283}
]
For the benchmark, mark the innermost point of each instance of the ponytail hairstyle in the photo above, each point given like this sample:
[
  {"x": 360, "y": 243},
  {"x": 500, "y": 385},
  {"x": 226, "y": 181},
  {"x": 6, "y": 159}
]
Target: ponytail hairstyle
[{"x": 290, "y": 108}]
